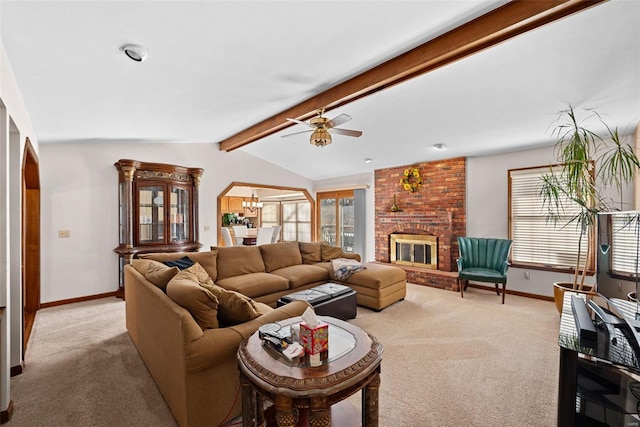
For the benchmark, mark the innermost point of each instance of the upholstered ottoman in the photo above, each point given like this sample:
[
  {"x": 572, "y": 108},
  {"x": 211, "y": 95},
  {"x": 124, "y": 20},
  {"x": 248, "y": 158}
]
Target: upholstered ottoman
[{"x": 330, "y": 299}]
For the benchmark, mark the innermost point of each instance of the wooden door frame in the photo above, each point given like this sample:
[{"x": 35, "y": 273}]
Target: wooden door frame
[{"x": 30, "y": 271}]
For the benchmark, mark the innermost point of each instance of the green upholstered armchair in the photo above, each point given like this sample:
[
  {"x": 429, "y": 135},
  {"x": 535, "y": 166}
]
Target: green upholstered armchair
[{"x": 483, "y": 260}]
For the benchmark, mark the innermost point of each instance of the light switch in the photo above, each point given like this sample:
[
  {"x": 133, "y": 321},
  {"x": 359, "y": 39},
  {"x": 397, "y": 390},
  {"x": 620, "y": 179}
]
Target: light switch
[
  {"x": 207, "y": 228},
  {"x": 64, "y": 234}
]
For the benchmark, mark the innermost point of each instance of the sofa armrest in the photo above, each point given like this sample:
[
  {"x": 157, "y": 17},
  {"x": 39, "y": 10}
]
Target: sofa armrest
[{"x": 357, "y": 257}]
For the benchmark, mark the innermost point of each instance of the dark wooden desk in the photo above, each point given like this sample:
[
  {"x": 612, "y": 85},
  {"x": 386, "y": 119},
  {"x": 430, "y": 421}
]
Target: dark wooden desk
[{"x": 293, "y": 387}]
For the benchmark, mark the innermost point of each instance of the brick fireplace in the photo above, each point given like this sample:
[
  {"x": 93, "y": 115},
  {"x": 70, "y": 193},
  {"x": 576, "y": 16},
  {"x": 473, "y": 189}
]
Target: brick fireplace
[{"x": 436, "y": 209}]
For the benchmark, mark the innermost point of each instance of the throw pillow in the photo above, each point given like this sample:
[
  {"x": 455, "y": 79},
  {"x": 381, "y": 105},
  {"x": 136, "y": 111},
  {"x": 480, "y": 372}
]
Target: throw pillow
[
  {"x": 311, "y": 252},
  {"x": 280, "y": 255},
  {"x": 160, "y": 274},
  {"x": 200, "y": 273},
  {"x": 185, "y": 290},
  {"x": 182, "y": 263},
  {"x": 233, "y": 307},
  {"x": 330, "y": 252}
]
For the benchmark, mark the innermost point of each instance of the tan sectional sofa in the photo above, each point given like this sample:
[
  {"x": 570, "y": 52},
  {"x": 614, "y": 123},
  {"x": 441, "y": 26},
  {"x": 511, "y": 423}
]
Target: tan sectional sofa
[
  {"x": 193, "y": 361},
  {"x": 267, "y": 272}
]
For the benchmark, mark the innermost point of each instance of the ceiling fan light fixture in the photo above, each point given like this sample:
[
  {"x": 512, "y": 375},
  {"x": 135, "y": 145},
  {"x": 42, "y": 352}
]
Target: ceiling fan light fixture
[
  {"x": 134, "y": 52},
  {"x": 320, "y": 137}
]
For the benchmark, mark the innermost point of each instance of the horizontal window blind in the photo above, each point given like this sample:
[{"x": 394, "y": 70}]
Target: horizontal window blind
[
  {"x": 624, "y": 244},
  {"x": 535, "y": 239}
]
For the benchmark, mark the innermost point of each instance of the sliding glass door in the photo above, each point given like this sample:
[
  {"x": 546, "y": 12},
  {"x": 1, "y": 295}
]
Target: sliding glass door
[{"x": 336, "y": 225}]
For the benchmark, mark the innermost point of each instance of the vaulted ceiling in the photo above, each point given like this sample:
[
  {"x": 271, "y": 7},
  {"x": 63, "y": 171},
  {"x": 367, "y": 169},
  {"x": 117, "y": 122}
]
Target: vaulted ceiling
[{"x": 217, "y": 68}]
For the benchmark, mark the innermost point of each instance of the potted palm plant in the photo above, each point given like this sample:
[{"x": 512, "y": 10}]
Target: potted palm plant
[{"x": 589, "y": 163}]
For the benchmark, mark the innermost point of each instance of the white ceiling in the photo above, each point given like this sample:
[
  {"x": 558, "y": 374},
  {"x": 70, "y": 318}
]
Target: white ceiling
[{"x": 218, "y": 67}]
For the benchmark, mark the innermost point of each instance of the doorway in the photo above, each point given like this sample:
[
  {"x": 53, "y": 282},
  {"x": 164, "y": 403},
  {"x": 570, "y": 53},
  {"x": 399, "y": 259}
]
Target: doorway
[
  {"x": 30, "y": 240},
  {"x": 272, "y": 211},
  {"x": 336, "y": 219}
]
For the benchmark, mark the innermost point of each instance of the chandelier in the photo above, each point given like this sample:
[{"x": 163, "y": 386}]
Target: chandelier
[{"x": 252, "y": 204}]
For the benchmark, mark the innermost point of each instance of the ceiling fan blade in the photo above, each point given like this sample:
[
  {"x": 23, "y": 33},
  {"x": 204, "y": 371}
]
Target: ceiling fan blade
[
  {"x": 338, "y": 120},
  {"x": 297, "y": 133},
  {"x": 347, "y": 132},
  {"x": 300, "y": 122}
]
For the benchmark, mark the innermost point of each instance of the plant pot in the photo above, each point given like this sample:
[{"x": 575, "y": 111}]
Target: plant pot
[{"x": 560, "y": 287}]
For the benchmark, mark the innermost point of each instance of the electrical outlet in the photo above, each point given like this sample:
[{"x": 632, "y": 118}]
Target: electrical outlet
[
  {"x": 207, "y": 228},
  {"x": 64, "y": 234},
  {"x": 527, "y": 275}
]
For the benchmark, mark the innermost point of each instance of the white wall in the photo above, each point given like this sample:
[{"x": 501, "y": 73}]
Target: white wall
[
  {"x": 80, "y": 194},
  {"x": 15, "y": 128},
  {"x": 487, "y": 209}
]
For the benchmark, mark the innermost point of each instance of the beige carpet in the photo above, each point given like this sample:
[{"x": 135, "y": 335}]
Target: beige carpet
[{"x": 447, "y": 362}]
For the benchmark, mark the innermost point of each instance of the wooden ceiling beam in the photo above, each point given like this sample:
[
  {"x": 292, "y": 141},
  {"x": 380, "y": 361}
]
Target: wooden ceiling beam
[{"x": 512, "y": 19}]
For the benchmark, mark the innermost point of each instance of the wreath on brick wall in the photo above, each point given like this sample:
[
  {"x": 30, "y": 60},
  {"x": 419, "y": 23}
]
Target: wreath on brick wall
[{"x": 411, "y": 179}]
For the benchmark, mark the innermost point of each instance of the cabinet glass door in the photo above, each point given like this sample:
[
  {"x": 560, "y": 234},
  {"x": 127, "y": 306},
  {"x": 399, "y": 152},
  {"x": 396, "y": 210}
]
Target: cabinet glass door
[
  {"x": 179, "y": 215},
  {"x": 151, "y": 208}
]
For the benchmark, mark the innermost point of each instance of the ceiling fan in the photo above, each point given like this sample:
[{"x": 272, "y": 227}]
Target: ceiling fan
[{"x": 322, "y": 127}]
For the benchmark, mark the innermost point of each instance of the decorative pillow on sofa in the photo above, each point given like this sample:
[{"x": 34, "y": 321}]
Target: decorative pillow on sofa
[
  {"x": 330, "y": 252},
  {"x": 233, "y": 307},
  {"x": 182, "y": 263},
  {"x": 311, "y": 252},
  {"x": 160, "y": 274},
  {"x": 185, "y": 290},
  {"x": 207, "y": 259},
  {"x": 280, "y": 255},
  {"x": 200, "y": 274},
  {"x": 238, "y": 260}
]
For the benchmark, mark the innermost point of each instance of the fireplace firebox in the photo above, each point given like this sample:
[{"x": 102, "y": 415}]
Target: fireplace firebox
[{"x": 414, "y": 250}]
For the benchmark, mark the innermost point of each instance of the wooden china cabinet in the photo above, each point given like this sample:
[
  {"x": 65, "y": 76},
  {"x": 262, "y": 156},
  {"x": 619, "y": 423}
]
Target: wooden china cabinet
[{"x": 158, "y": 210}]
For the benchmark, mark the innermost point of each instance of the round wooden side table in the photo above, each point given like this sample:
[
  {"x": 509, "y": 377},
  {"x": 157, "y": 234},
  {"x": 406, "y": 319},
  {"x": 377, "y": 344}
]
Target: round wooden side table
[{"x": 353, "y": 364}]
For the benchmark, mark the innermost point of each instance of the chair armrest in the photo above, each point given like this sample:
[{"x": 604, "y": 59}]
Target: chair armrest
[{"x": 460, "y": 266}]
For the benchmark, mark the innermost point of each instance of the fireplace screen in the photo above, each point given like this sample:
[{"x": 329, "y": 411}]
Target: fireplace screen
[{"x": 414, "y": 250}]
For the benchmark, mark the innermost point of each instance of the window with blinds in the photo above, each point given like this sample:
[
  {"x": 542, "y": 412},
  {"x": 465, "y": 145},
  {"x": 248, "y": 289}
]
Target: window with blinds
[
  {"x": 625, "y": 245},
  {"x": 537, "y": 241}
]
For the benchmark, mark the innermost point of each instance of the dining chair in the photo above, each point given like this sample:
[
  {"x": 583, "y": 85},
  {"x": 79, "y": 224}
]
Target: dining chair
[
  {"x": 264, "y": 235},
  {"x": 276, "y": 233},
  {"x": 240, "y": 232},
  {"x": 226, "y": 235}
]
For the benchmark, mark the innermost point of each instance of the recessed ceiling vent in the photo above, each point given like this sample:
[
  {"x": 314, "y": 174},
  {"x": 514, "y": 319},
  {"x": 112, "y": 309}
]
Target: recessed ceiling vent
[{"x": 134, "y": 51}]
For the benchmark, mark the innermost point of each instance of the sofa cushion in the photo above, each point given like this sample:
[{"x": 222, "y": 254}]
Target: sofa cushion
[
  {"x": 160, "y": 274},
  {"x": 206, "y": 259},
  {"x": 300, "y": 275},
  {"x": 377, "y": 276},
  {"x": 201, "y": 303},
  {"x": 255, "y": 284},
  {"x": 239, "y": 260},
  {"x": 280, "y": 255},
  {"x": 233, "y": 307},
  {"x": 140, "y": 265},
  {"x": 330, "y": 252},
  {"x": 311, "y": 252}
]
